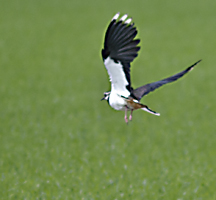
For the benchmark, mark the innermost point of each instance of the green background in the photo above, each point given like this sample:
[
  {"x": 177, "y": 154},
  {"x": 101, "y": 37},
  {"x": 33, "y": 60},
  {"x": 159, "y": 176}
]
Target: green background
[{"x": 59, "y": 141}]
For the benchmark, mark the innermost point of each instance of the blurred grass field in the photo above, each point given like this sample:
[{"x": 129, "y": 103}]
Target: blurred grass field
[{"x": 58, "y": 141}]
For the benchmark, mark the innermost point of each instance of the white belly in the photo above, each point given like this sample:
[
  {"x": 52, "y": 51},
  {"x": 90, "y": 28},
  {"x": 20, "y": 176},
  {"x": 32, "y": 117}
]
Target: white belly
[{"x": 116, "y": 101}]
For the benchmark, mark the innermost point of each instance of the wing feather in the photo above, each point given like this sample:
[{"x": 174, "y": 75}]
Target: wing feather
[
  {"x": 120, "y": 49},
  {"x": 145, "y": 89}
]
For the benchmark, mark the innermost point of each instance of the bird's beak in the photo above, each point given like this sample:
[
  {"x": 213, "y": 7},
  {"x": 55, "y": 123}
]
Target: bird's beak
[{"x": 103, "y": 99}]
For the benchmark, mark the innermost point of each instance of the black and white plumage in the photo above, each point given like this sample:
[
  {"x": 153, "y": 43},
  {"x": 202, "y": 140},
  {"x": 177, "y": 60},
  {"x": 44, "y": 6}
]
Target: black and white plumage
[{"x": 120, "y": 49}]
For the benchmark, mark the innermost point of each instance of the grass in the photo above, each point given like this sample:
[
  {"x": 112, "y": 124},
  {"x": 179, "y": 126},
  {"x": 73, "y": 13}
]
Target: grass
[{"x": 58, "y": 141}]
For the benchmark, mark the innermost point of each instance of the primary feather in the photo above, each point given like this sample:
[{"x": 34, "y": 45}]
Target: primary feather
[
  {"x": 120, "y": 48},
  {"x": 145, "y": 89}
]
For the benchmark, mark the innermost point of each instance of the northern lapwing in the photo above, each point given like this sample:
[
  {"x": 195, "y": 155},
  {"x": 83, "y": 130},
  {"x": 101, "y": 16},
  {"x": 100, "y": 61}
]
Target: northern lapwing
[{"x": 120, "y": 49}]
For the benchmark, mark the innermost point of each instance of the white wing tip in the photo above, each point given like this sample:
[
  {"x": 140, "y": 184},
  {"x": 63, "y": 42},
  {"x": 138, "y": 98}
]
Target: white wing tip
[
  {"x": 116, "y": 16},
  {"x": 124, "y": 17},
  {"x": 128, "y": 21}
]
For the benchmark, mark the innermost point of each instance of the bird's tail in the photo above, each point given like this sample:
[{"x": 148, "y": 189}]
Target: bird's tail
[{"x": 145, "y": 108}]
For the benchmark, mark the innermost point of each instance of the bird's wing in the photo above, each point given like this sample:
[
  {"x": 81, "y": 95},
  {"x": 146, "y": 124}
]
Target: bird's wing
[
  {"x": 144, "y": 90},
  {"x": 120, "y": 48}
]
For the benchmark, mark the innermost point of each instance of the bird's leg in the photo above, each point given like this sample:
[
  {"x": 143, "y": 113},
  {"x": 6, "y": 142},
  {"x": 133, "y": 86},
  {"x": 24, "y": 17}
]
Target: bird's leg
[
  {"x": 126, "y": 119},
  {"x": 130, "y": 118}
]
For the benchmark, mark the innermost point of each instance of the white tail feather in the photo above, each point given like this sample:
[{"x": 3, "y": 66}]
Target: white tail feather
[{"x": 150, "y": 111}]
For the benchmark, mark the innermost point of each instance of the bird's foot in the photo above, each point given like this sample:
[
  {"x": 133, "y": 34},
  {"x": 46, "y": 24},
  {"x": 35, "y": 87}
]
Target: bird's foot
[
  {"x": 130, "y": 117},
  {"x": 126, "y": 119}
]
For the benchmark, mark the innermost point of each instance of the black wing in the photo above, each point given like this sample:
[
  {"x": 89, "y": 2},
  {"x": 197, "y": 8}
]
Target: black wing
[
  {"x": 120, "y": 45},
  {"x": 144, "y": 90}
]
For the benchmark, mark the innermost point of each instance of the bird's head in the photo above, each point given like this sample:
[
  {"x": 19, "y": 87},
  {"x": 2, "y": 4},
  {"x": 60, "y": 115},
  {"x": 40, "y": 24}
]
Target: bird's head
[{"x": 106, "y": 96}]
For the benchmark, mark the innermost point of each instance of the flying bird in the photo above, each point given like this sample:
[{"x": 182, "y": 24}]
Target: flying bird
[{"x": 120, "y": 49}]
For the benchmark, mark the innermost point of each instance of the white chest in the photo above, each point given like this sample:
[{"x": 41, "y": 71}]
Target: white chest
[{"x": 117, "y": 102}]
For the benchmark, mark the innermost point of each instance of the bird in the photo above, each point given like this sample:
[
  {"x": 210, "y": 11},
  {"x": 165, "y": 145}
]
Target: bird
[{"x": 119, "y": 50}]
